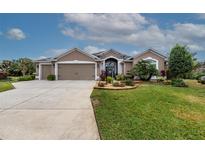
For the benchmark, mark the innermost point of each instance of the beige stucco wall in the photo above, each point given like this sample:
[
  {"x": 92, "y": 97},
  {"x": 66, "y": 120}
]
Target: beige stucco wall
[
  {"x": 122, "y": 66},
  {"x": 152, "y": 55},
  {"x": 75, "y": 55},
  {"x": 127, "y": 66}
]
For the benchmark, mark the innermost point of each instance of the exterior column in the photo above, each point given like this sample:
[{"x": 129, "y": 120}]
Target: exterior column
[
  {"x": 96, "y": 71},
  {"x": 56, "y": 70},
  {"x": 119, "y": 67},
  {"x": 40, "y": 71},
  {"x": 104, "y": 65}
]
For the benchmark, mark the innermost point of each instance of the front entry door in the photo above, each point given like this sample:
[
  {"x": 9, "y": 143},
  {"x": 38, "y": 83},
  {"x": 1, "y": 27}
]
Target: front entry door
[{"x": 111, "y": 67}]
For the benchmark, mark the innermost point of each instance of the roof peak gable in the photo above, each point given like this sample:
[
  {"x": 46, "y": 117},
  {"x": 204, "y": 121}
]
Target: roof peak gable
[
  {"x": 149, "y": 50},
  {"x": 73, "y": 50}
]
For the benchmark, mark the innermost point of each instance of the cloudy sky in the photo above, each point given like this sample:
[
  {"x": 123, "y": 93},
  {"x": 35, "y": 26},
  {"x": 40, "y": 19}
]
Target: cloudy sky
[{"x": 46, "y": 35}]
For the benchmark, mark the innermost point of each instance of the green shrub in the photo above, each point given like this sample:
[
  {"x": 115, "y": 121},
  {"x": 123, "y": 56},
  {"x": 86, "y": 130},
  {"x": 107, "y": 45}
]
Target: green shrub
[
  {"x": 178, "y": 83},
  {"x": 198, "y": 75},
  {"x": 120, "y": 77},
  {"x": 25, "y": 78},
  {"x": 129, "y": 75},
  {"x": 118, "y": 84},
  {"x": 3, "y": 75},
  {"x": 160, "y": 79},
  {"x": 129, "y": 82},
  {"x": 109, "y": 79},
  {"x": 202, "y": 80},
  {"x": 33, "y": 77},
  {"x": 51, "y": 77},
  {"x": 167, "y": 82}
]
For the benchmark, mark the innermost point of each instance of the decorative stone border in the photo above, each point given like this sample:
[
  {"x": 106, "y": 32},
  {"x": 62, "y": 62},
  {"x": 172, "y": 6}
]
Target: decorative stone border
[{"x": 117, "y": 88}]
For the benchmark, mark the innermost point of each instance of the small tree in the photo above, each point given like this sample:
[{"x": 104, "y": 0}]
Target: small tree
[
  {"x": 26, "y": 66},
  {"x": 6, "y": 65},
  {"x": 144, "y": 70},
  {"x": 180, "y": 61}
]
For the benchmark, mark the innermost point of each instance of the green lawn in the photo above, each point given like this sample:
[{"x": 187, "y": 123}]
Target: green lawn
[
  {"x": 151, "y": 112},
  {"x": 4, "y": 85}
]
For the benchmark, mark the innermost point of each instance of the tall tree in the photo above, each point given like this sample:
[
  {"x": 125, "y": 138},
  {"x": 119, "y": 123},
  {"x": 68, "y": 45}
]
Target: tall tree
[{"x": 180, "y": 61}]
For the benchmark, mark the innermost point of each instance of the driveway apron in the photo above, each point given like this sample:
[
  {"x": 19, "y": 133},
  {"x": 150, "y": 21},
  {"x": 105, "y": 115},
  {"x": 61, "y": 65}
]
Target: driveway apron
[{"x": 48, "y": 110}]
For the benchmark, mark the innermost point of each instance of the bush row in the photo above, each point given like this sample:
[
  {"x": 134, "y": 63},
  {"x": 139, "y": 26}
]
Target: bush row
[
  {"x": 51, "y": 77},
  {"x": 202, "y": 80},
  {"x": 22, "y": 78}
]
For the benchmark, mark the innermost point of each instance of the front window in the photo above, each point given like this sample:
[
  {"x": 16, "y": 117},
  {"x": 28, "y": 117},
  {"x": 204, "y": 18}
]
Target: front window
[{"x": 153, "y": 62}]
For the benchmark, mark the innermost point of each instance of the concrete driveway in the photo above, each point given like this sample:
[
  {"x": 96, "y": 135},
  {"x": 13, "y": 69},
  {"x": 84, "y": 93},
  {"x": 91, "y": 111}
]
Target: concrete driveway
[{"x": 48, "y": 110}]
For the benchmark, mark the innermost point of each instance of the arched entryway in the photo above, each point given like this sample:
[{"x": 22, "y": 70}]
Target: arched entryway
[{"x": 111, "y": 66}]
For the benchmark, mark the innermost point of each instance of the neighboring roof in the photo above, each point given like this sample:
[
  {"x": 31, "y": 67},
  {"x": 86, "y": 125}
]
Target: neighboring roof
[
  {"x": 149, "y": 50},
  {"x": 44, "y": 60}
]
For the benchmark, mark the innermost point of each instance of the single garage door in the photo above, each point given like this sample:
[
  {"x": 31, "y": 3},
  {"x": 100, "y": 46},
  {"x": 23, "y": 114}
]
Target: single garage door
[
  {"x": 46, "y": 70},
  {"x": 76, "y": 71}
]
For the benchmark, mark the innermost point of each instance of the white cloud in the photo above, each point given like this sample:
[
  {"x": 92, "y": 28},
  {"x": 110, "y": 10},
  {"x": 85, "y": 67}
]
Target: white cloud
[
  {"x": 133, "y": 29},
  {"x": 50, "y": 53},
  {"x": 194, "y": 47},
  {"x": 16, "y": 34},
  {"x": 54, "y": 52},
  {"x": 41, "y": 57},
  {"x": 1, "y": 33},
  {"x": 92, "y": 49},
  {"x": 135, "y": 52},
  {"x": 102, "y": 27}
]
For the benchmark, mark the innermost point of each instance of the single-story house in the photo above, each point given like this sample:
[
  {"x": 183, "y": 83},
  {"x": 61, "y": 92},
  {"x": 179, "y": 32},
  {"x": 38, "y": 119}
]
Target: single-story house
[{"x": 76, "y": 64}]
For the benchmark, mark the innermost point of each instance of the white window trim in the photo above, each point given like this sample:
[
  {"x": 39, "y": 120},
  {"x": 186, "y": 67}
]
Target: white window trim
[
  {"x": 157, "y": 62},
  {"x": 76, "y": 62}
]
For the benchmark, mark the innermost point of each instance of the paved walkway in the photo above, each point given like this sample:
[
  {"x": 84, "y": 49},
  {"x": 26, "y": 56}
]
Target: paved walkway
[{"x": 48, "y": 110}]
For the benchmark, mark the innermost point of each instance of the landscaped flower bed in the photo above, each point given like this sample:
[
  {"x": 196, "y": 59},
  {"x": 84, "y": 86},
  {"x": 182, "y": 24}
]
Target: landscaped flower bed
[{"x": 116, "y": 85}]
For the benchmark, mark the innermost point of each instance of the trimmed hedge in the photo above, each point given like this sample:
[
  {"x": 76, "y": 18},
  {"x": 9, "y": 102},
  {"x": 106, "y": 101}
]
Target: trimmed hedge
[
  {"x": 26, "y": 78},
  {"x": 129, "y": 82},
  {"x": 178, "y": 83},
  {"x": 51, "y": 77}
]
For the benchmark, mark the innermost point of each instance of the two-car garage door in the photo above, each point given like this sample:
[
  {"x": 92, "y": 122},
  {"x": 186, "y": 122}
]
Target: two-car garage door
[{"x": 76, "y": 71}]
